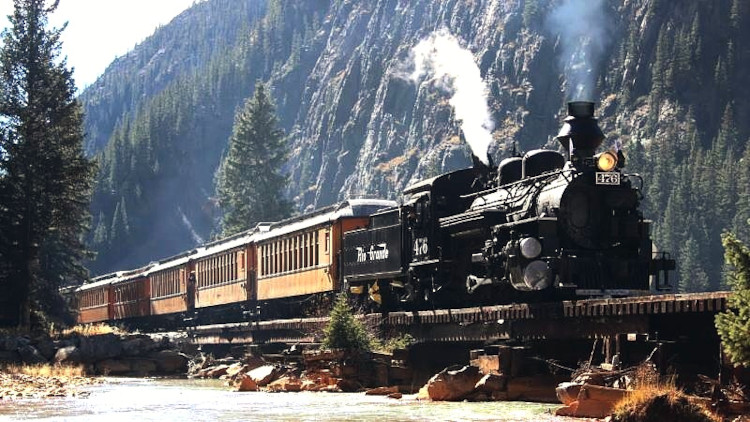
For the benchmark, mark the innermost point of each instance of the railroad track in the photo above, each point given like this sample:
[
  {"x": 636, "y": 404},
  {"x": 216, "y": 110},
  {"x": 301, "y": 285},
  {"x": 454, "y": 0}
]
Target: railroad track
[{"x": 567, "y": 319}]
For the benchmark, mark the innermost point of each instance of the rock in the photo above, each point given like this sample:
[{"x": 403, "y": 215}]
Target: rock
[
  {"x": 310, "y": 385},
  {"x": 263, "y": 375},
  {"x": 10, "y": 343},
  {"x": 234, "y": 370},
  {"x": 29, "y": 354},
  {"x": 6, "y": 356},
  {"x": 395, "y": 395},
  {"x": 169, "y": 361},
  {"x": 286, "y": 383},
  {"x": 491, "y": 383},
  {"x": 567, "y": 392},
  {"x": 348, "y": 385},
  {"x": 246, "y": 384},
  {"x": 113, "y": 367},
  {"x": 382, "y": 391},
  {"x": 100, "y": 347},
  {"x": 137, "y": 346},
  {"x": 539, "y": 388},
  {"x": 453, "y": 383},
  {"x": 216, "y": 371},
  {"x": 595, "y": 401},
  {"x": 142, "y": 367},
  {"x": 69, "y": 354},
  {"x": 46, "y": 347}
]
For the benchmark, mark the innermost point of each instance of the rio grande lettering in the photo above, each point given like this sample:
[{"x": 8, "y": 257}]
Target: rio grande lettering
[{"x": 372, "y": 254}]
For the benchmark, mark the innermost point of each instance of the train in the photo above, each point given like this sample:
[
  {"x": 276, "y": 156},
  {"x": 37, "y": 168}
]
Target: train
[{"x": 542, "y": 226}]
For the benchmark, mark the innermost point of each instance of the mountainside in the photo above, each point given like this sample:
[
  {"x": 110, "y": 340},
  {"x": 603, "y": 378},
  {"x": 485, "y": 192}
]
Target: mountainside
[{"x": 669, "y": 79}]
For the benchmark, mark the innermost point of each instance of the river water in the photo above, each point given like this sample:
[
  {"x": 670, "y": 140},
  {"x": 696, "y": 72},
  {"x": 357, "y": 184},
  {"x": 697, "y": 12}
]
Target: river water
[{"x": 209, "y": 400}]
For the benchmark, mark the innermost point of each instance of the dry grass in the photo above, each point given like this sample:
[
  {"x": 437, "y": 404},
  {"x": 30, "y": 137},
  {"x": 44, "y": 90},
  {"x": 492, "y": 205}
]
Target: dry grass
[
  {"x": 46, "y": 370},
  {"x": 659, "y": 400},
  {"x": 92, "y": 330}
]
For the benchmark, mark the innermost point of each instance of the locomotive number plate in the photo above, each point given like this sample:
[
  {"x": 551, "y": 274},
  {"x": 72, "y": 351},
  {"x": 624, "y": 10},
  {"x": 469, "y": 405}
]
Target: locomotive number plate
[{"x": 607, "y": 178}]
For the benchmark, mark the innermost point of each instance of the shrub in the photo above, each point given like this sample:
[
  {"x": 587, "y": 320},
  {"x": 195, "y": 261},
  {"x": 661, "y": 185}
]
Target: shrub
[{"x": 344, "y": 331}]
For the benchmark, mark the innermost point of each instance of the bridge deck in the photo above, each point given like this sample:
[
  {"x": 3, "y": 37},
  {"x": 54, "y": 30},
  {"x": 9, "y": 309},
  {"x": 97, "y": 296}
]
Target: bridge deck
[{"x": 567, "y": 319}]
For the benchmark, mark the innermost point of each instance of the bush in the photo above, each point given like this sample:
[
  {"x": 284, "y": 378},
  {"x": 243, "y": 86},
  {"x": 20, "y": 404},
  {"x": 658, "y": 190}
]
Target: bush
[
  {"x": 344, "y": 331},
  {"x": 660, "y": 404}
]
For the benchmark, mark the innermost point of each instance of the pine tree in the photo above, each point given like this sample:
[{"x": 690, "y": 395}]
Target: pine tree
[
  {"x": 45, "y": 179},
  {"x": 344, "y": 331},
  {"x": 250, "y": 182},
  {"x": 734, "y": 325}
]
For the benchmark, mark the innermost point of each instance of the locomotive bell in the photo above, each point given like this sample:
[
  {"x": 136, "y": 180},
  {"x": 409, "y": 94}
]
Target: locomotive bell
[{"x": 580, "y": 134}]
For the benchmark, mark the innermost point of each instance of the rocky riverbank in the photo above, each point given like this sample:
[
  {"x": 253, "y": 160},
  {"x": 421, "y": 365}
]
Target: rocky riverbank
[
  {"x": 105, "y": 354},
  {"x": 18, "y": 385}
]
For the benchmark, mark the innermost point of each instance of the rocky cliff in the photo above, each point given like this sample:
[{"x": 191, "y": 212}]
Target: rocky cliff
[{"x": 667, "y": 76}]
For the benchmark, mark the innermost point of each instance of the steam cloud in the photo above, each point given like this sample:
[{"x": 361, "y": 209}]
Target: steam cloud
[
  {"x": 442, "y": 60},
  {"x": 582, "y": 27}
]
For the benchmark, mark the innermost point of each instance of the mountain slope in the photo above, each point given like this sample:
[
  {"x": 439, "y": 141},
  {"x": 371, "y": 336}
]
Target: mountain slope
[{"x": 670, "y": 84}]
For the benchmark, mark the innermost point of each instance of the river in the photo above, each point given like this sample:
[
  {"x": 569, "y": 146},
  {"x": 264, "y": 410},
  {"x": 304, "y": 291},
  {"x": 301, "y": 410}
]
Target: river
[{"x": 182, "y": 400}]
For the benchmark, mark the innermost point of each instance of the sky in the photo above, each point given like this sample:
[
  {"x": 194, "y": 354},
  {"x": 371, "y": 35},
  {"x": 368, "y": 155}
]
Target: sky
[{"x": 101, "y": 30}]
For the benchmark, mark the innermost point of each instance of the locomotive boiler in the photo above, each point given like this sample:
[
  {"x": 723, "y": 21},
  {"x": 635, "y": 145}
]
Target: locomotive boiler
[{"x": 541, "y": 226}]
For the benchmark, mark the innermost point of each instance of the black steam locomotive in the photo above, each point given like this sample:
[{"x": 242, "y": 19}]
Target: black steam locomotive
[{"x": 537, "y": 227}]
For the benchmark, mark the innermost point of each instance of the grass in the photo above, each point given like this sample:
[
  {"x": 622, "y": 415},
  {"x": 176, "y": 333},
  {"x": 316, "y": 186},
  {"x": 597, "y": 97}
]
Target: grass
[
  {"x": 657, "y": 400},
  {"x": 92, "y": 330},
  {"x": 46, "y": 370}
]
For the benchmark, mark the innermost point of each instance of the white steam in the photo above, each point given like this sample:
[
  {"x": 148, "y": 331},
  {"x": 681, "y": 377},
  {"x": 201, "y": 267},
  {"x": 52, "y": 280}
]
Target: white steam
[
  {"x": 583, "y": 30},
  {"x": 441, "y": 60}
]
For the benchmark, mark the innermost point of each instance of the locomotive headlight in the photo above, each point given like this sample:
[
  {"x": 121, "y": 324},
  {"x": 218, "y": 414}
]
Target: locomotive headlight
[
  {"x": 537, "y": 275},
  {"x": 606, "y": 161},
  {"x": 530, "y": 247}
]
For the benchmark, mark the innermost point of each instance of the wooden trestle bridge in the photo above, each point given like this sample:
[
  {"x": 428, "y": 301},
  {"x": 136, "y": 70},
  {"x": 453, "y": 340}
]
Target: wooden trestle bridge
[{"x": 668, "y": 316}]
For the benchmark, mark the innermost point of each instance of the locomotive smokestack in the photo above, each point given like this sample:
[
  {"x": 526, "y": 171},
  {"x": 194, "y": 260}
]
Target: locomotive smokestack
[{"x": 580, "y": 134}]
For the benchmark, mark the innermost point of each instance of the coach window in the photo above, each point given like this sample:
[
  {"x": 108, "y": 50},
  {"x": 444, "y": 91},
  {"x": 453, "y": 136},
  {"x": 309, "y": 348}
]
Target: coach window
[
  {"x": 327, "y": 246},
  {"x": 317, "y": 248}
]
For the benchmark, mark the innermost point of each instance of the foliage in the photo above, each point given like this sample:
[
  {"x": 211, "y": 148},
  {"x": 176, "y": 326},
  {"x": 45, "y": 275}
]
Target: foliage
[
  {"x": 344, "y": 330},
  {"x": 250, "y": 183},
  {"x": 45, "y": 179},
  {"x": 656, "y": 404},
  {"x": 400, "y": 341},
  {"x": 734, "y": 324}
]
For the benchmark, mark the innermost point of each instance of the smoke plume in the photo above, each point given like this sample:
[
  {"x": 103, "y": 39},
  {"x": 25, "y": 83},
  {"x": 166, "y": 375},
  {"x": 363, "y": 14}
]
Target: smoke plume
[
  {"x": 441, "y": 60},
  {"x": 583, "y": 30}
]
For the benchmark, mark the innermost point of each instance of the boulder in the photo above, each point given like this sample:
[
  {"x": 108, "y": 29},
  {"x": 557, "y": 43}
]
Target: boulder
[
  {"x": 113, "y": 367},
  {"x": 382, "y": 391},
  {"x": 30, "y": 355},
  {"x": 395, "y": 395},
  {"x": 539, "y": 388},
  {"x": 246, "y": 383},
  {"x": 137, "y": 346},
  {"x": 286, "y": 383},
  {"x": 453, "y": 383},
  {"x": 169, "y": 361},
  {"x": 142, "y": 367},
  {"x": 263, "y": 375},
  {"x": 593, "y": 401},
  {"x": 100, "y": 347},
  {"x": 491, "y": 383},
  {"x": 46, "y": 347},
  {"x": 236, "y": 369},
  {"x": 348, "y": 385},
  {"x": 69, "y": 354},
  {"x": 216, "y": 371}
]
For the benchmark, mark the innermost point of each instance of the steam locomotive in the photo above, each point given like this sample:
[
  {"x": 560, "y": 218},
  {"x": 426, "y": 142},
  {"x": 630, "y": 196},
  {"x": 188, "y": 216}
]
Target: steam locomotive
[{"x": 538, "y": 227}]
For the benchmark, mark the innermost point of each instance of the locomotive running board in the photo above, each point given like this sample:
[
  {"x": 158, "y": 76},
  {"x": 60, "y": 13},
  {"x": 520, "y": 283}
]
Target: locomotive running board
[{"x": 472, "y": 220}]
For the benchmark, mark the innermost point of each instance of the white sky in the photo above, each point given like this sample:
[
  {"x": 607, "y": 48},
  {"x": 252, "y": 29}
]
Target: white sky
[{"x": 101, "y": 30}]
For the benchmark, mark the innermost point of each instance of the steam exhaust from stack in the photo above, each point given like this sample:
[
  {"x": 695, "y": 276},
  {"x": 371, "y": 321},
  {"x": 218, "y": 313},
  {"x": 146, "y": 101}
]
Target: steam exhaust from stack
[
  {"x": 583, "y": 30},
  {"x": 440, "y": 59}
]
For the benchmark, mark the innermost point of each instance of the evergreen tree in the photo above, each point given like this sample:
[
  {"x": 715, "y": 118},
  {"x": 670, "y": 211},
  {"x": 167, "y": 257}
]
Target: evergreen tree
[
  {"x": 250, "y": 182},
  {"x": 734, "y": 325},
  {"x": 45, "y": 179},
  {"x": 344, "y": 331}
]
